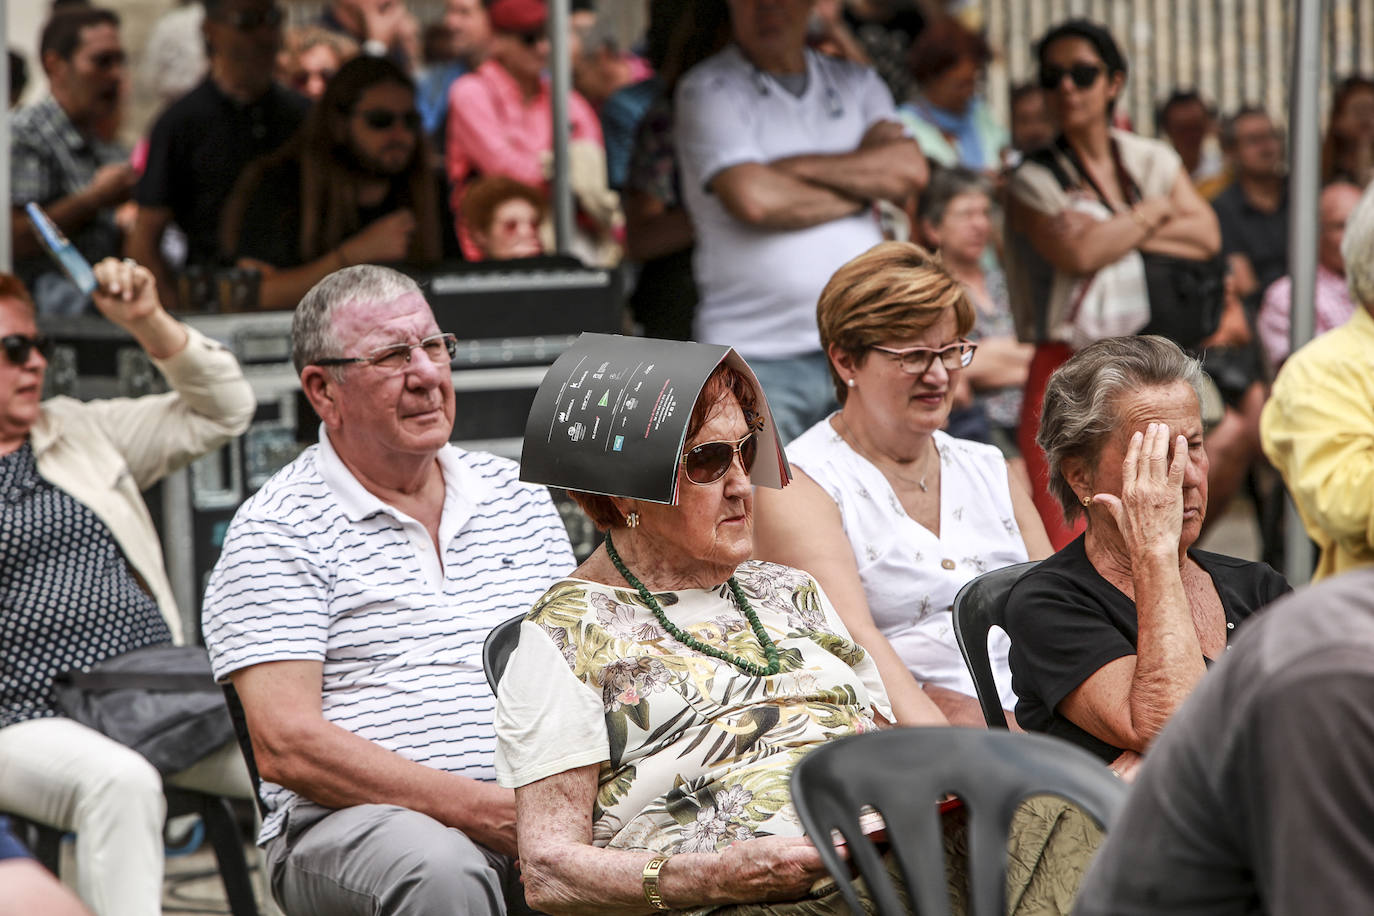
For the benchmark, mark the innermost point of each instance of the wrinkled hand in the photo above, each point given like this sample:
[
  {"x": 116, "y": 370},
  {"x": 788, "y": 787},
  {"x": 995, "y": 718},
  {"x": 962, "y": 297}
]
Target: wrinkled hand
[
  {"x": 771, "y": 868},
  {"x": 112, "y": 184},
  {"x": 126, "y": 292},
  {"x": 1149, "y": 511},
  {"x": 489, "y": 818},
  {"x": 1127, "y": 766},
  {"x": 384, "y": 240}
]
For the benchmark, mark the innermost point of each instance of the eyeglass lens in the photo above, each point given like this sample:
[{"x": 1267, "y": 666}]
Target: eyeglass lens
[
  {"x": 17, "y": 347},
  {"x": 1083, "y": 75},
  {"x": 709, "y": 461},
  {"x": 918, "y": 360},
  {"x": 441, "y": 348}
]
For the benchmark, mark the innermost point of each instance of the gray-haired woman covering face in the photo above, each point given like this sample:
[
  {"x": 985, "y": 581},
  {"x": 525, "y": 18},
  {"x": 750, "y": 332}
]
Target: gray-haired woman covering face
[{"x": 1112, "y": 632}]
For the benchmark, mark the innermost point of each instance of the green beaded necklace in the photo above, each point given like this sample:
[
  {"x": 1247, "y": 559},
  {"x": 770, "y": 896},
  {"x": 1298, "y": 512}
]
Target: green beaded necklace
[{"x": 770, "y": 650}]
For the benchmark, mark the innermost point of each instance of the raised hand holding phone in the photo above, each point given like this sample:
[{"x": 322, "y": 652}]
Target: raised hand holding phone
[{"x": 126, "y": 293}]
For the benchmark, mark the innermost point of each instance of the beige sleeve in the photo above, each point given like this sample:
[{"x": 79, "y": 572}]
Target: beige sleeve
[
  {"x": 1036, "y": 187},
  {"x": 1153, "y": 163}
]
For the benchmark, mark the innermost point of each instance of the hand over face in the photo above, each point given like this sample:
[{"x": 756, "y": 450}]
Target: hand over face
[{"x": 1149, "y": 512}]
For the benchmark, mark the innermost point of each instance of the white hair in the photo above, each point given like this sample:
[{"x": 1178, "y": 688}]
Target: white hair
[{"x": 1357, "y": 248}]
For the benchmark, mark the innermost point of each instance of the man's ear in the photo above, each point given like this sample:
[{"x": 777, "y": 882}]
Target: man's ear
[
  {"x": 322, "y": 390},
  {"x": 51, "y": 60}
]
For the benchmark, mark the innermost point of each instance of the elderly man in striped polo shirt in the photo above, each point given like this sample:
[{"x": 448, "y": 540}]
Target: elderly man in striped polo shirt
[{"x": 349, "y": 607}]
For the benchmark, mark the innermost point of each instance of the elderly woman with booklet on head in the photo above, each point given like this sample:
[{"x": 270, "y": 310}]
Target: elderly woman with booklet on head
[{"x": 658, "y": 700}]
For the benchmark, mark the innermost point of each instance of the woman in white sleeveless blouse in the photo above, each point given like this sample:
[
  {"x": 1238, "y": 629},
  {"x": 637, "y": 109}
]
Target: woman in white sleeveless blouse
[{"x": 889, "y": 514}]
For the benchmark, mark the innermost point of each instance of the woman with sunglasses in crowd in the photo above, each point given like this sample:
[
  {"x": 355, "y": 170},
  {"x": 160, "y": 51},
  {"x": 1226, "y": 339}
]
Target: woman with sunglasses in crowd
[
  {"x": 655, "y": 706},
  {"x": 1094, "y": 197},
  {"x": 82, "y": 578},
  {"x": 891, "y": 515}
]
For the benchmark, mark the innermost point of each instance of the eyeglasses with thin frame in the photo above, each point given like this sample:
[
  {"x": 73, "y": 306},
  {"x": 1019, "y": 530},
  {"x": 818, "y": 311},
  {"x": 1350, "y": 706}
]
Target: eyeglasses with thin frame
[
  {"x": 1083, "y": 75},
  {"x": 440, "y": 348},
  {"x": 17, "y": 347},
  {"x": 383, "y": 118},
  {"x": 708, "y": 462},
  {"x": 918, "y": 360}
]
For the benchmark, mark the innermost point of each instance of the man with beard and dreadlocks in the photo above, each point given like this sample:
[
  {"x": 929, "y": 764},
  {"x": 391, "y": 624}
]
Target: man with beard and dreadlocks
[{"x": 353, "y": 187}]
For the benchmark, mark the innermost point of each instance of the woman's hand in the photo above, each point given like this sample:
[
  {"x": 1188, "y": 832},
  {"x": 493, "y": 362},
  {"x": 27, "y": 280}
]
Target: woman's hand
[
  {"x": 771, "y": 868},
  {"x": 1149, "y": 512},
  {"x": 126, "y": 293}
]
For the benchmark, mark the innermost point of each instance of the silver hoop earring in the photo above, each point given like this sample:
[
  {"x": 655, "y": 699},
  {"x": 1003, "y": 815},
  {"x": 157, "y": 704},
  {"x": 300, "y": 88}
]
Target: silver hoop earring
[{"x": 632, "y": 520}]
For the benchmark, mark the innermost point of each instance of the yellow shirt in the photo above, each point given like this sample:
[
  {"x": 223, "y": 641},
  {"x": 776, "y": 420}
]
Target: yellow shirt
[{"x": 1318, "y": 430}]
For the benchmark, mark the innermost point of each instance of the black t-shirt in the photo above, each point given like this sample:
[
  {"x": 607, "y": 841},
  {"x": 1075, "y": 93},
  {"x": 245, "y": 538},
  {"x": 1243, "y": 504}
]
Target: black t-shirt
[
  {"x": 271, "y": 229},
  {"x": 1259, "y": 795},
  {"x": 199, "y": 146},
  {"x": 1262, "y": 237},
  {"x": 1066, "y": 622}
]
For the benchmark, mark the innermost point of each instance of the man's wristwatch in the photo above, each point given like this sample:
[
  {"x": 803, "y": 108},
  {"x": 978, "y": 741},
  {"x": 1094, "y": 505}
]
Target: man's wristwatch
[{"x": 651, "y": 870}]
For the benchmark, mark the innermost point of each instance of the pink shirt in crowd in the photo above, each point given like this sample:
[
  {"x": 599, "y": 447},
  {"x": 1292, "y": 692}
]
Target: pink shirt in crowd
[
  {"x": 494, "y": 130},
  {"x": 1334, "y": 308}
]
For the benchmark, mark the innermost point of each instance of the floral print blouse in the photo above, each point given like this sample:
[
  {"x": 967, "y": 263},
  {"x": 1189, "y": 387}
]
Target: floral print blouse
[{"x": 694, "y": 754}]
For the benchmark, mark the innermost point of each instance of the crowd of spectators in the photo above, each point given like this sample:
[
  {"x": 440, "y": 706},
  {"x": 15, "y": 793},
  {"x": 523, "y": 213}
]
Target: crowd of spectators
[{"x": 954, "y": 317}]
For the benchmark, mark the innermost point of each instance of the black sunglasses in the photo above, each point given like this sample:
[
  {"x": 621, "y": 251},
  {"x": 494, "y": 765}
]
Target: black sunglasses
[
  {"x": 708, "y": 462},
  {"x": 17, "y": 347},
  {"x": 531, "y": 39},
  {"x": 248, "y": 20},
  {"x": 1083, "y": 75},
  {"x": 382, "y": 118}
]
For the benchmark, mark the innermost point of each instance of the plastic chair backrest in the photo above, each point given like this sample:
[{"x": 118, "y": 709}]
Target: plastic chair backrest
[
  {"x": 236, "y": 715},
  {"x": 904, "y": 772},
  {"x": 979, "y": 606},
  {"x": 498, "y": 647}
]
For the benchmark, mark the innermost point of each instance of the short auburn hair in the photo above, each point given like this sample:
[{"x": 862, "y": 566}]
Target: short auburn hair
[
  {"x": 893, "y": 291},
  {"x": 725, "y": 381}
]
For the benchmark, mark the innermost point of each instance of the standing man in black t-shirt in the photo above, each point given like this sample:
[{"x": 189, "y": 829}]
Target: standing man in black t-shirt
[{"x": 204, "y": 140}]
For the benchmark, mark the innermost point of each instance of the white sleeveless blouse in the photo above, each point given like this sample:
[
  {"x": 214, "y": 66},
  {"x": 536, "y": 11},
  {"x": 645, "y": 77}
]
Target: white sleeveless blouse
[{"x": 909, "y": 575}]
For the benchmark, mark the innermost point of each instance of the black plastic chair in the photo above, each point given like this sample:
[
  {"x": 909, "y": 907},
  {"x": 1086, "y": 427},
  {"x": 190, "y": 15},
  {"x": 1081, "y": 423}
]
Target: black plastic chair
[
  {"x": 498, "y": 647},
  {"x": 236, "y": 715},
  {"x": 980, "y": 605},
  {"x": 904, "y": 772}
]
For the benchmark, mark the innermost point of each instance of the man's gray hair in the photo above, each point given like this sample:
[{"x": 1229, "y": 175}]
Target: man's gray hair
[
  {"x": 1357, "y": 248},
  {"x": 312, "y": 328},
  {"x": 1080, "y": 410}
]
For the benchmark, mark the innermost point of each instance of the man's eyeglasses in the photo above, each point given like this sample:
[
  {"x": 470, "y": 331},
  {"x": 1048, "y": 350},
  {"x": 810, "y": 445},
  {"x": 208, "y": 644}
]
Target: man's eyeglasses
[
  {"x": 532, "y": 39},
  {"x": 248, "y": 20},
  {"x": 17, "y": 347},
  {"x": 1083, "y": 76},
  {"x": 383, "y": 118},
  {"x": 918, "y": 360},
  {"x": 708, "y": 462},
  {"x": 440, "y": 348}
]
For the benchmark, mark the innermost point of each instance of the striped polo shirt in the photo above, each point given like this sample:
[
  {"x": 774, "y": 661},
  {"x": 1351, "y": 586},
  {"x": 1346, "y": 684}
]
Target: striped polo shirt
[{"x": 314, "y": 567}]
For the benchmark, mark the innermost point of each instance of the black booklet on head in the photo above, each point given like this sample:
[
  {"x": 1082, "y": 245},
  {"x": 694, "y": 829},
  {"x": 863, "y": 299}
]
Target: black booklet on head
[{"x": 611, "y": 417}]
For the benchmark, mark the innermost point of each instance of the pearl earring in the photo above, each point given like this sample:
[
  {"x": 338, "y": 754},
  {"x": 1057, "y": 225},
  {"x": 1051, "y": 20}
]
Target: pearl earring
[
  {"x": 1086, "y": 501},
  {"x": 849, "y": 382}
]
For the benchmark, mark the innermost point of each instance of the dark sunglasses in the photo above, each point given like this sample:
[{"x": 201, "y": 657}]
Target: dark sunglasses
[
  {"x": 530, "y": 39},
  {"x": 17, "y": 347},
  {"x": 302, "y": 79},
  {"x": 1083, "y": 75},
  {"x": 248, "y": 20},
  {"x": 382, "y": 118},
  {"x": 708, "y": 462}
]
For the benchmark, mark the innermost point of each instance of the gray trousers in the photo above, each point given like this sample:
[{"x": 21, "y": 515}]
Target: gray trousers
[{"x": 383, "y": 860}]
